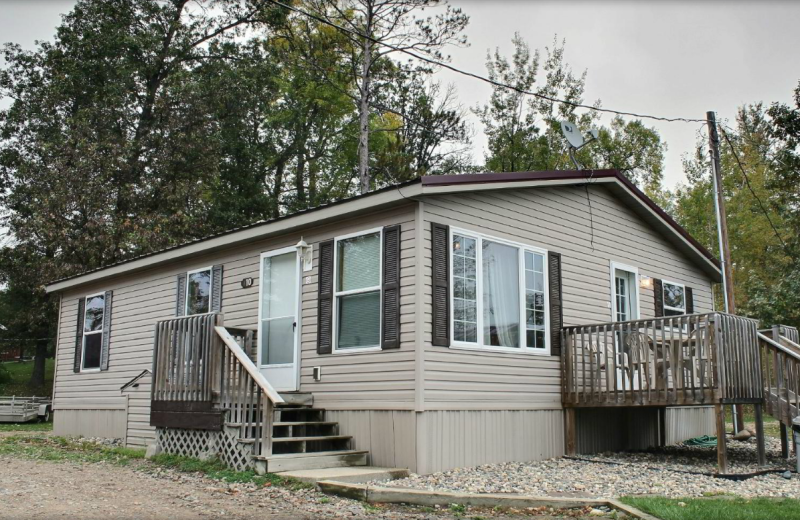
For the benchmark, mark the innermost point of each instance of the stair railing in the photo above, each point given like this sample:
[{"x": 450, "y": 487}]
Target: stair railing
[
  {"x": 780, "y": 362},
  {"x": 245, "y": 393}
]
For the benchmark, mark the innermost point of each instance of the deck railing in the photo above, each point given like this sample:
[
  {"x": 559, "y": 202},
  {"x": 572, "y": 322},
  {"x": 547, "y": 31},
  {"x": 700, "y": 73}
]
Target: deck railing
[
  {"x": 201, "y": 366},
  {"x": 689, "y": 359},
  {"x": 183, "y": 361}
]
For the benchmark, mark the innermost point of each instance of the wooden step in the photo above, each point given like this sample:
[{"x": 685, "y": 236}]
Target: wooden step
[
  {"x": 312, "y": 439},
  {"x": 315, "y": 460},
  {"x": 306, "y": 423},
  {"x": 297, "y": 399}
]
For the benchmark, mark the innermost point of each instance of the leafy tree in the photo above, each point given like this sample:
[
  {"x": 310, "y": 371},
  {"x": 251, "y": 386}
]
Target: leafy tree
[
  {"x": 761, "y": 263},
  {"x": 524, "y": 131},
  {"x": 378, "y": 30},
  {"x": 107, "y": 150},
  {"x": 423, "y": 133}
]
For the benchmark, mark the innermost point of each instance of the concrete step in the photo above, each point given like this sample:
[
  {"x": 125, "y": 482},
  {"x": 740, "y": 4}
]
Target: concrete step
[
  {"x": 315, "y": 460},
  {"x": 351, "y": 475}
]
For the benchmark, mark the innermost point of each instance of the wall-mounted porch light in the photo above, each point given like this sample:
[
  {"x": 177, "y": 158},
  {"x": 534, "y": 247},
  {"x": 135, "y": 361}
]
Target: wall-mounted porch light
[
  {"x": 306, "y": 253},
  {"x": 645, "y": 282}
]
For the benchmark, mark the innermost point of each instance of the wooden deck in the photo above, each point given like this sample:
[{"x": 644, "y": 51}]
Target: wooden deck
[{"x": 690, "y": 360}]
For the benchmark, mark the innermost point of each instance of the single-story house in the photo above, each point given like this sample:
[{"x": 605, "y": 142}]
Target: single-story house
[{"x": 428, "y": 325}]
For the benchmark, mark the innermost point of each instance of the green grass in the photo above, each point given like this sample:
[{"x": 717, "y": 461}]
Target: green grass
[
  {"x": 717, "y": 508},
  {"x": 20, "y": 375},
  {"x": 27, "y": 427},
  {"x": 216, "y": 470},
  {"x": 61, "y": 449}
]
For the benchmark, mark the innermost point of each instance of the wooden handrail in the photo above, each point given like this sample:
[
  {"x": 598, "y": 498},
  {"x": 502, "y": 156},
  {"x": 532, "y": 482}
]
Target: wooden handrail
[
  {"x": 248, "y": 365},
  {"x": 780, "y": 366},
  {"x": 780, "y": 347}
]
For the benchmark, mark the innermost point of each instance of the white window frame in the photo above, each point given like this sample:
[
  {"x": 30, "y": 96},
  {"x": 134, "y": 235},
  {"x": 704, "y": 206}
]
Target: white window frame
[
  {"x": 522, "y": 248},
  {"x": 210, "y": 270},
  {"x": 336, "y": 293},
  {"x": 664, "y": 300},
  {"x": 91, "y": 333},
  {"x": 630, "y": 269}
]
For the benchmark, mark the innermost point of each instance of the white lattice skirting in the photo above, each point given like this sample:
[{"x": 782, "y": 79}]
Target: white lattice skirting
[{"x": 205, "y": 444}]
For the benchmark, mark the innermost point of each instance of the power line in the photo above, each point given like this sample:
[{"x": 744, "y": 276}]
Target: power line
[
  {"x": 750, "y": 187},
  {"x": 473, "y": 75}
]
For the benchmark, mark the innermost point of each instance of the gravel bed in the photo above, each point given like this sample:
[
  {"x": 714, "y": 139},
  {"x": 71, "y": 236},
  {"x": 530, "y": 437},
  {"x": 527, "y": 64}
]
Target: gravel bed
[
  {"x": 742, "y": 457},
  {"x": 662, "y": 472}
]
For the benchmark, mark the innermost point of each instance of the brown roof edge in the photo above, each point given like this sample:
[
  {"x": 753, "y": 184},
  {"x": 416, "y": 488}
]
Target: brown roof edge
[{"x": 484, "y": 178}]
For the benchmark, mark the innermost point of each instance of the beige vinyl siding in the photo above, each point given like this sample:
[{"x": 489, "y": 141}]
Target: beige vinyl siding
[
  {"x": 390, "y": 436},
  {"x": 92, "y": 417},
  {"x": 463, "y": 438},
  {"x": 378, "y": 380},
  {"x": 557, "y": 219}
]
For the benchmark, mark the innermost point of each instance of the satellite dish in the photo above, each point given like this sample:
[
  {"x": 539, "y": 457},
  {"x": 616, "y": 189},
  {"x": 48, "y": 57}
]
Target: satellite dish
[
  {"x": 572, "y": 134},
  {"x": 594, "y": 133}
]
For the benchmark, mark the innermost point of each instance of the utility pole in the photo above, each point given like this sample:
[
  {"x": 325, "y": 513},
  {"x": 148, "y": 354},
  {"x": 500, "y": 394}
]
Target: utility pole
[{"x": 722, "y": 235}]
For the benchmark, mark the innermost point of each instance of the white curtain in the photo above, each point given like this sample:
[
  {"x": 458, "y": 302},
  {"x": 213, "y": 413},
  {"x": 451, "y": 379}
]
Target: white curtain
[{"x": 501, "y": 314}]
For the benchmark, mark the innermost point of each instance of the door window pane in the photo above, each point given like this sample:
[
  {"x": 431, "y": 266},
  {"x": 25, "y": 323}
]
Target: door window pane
[
  {"x": 277, "y": 341},
  {"x": 91, "y": 350},
  {"x": 279, "y": 292},
  {"x": 198, "y": 297},
  {"x": 359, "y": 262},
  {"x": 359, "y": 320},
  {"x": 94, "y": 313},
  {"x": 501, "y": 299}
]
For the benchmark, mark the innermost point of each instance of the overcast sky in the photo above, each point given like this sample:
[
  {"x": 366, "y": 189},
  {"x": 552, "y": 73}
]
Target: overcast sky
[{"x": 662, "y": 58}]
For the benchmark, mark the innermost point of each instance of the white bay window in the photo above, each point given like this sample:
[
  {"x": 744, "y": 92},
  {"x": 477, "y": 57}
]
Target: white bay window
[{"x": 498, "y": 294}]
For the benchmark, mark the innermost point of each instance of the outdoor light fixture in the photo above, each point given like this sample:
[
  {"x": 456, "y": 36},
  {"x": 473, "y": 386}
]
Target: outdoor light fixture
[
  {"x": 645, "y": 282},
  {"x": 306, "y": 253}
]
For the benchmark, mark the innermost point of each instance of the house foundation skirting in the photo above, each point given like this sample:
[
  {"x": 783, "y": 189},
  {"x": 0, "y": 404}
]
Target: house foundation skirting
[{"x": 204, "y": 444}]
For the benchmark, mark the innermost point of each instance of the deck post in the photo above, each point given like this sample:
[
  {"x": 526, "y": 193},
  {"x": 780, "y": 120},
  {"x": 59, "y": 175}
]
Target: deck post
[
  {"x": 784, "y": 441},
  {"x": 571, "y": 431},
  {"x": 662, "y": 427},
  {"x": 722, "y": 449},
  {"x": 760, "y": 441}
]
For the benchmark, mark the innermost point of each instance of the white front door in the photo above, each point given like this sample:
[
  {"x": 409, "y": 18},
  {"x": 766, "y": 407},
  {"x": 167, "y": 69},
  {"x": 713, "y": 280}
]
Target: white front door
[
  {"x": 278, "y": 323},
  {"x": 624, "y": 307}
]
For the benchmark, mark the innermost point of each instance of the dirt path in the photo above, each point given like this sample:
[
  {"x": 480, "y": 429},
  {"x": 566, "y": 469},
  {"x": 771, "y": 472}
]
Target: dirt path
[{"x": 44, "y": 490}]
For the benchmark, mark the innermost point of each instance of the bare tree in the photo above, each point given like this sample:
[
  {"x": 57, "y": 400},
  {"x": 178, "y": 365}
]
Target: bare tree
[{"x": 379, "y": 29}]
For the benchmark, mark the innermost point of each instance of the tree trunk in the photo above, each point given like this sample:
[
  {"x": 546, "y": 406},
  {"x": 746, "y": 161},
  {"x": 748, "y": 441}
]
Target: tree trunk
[
  {"x": 363, "y": 110},
  {"x": 37, "y": 376}
]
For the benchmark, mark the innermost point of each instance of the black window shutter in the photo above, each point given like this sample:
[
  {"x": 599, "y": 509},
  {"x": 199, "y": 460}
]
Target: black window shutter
[
  {"x": 689, "y": 295},
  {"x": 106, "y": 329},
  {"x": 556, "y": 302},
  {"x": 76, "y": 366},
  {"x": 325, "y": 299},
  {"x": 180, "y": 296},
  {"x": 658, "y": 294},
  {"x": 441, "y": 284},
  {"x": 390, "y": 337},
  {"x": 216, "y": 288}
]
